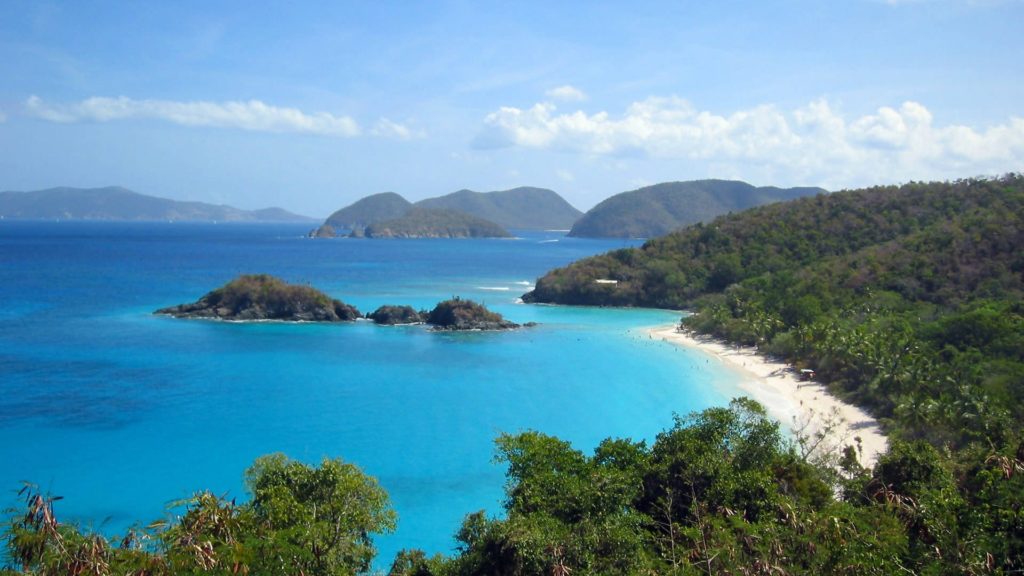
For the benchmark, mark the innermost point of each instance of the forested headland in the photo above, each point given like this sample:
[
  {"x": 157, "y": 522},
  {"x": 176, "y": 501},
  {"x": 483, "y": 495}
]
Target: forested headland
[{"x": 907, "y": 300}]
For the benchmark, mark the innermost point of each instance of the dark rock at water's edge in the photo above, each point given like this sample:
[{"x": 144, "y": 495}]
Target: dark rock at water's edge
[
  {"x": 264, "y": 297},
  {"x": 459, "y": 314},
  {"x": 323, "y": 231},
  {"x": 391, "y": 315}
]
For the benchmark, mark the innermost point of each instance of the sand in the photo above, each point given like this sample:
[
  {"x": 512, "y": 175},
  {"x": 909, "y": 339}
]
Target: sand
[{"x": 798, "y": 405}]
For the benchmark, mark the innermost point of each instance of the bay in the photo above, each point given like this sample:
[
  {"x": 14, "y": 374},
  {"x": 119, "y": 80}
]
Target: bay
[{"x": 121, "y": 412}]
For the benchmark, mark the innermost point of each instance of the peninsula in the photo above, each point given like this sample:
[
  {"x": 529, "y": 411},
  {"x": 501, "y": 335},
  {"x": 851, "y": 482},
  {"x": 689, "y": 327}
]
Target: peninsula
[{"x": 883, "y": 293}]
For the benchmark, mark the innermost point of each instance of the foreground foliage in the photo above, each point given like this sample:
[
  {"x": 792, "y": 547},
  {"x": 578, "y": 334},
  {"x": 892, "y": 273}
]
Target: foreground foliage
[
  {"x": 300, "y": 520},
  {"x": 720, "y": 492}
]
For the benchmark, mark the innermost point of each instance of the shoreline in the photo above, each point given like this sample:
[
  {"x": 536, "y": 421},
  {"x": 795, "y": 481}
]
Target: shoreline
[{"x": 794, "y": 403}]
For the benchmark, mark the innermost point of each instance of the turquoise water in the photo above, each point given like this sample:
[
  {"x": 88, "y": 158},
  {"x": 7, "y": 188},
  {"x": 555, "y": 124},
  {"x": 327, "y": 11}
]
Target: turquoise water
[{"x": 120, "y": 412}]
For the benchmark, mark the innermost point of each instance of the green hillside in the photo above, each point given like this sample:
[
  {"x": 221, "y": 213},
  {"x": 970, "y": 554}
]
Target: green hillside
[
  {"x": 659, "y": 209},
  {"x": 425, "y": 223},
  {"x": 522, "y": 208},
  {"x": 369, "y": 210},
  {"x": 890, "y": 293}
]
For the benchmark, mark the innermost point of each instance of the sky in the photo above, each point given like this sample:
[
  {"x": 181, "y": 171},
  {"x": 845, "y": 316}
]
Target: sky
[{"x": 311, "y": 106}]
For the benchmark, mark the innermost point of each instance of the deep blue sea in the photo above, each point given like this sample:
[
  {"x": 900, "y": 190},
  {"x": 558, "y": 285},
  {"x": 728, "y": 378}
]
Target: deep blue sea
[{"x": 121, "y": 412}]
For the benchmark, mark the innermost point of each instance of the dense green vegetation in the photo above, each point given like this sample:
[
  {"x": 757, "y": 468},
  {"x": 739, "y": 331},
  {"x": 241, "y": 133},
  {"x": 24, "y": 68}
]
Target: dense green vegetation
[
  {"x": 429, "y": 223},
  {"x": 264, "y": 297},
  {"x": 298, "y": 520},
  {"x": 662, "y": 208},
  {"x": 523, "y": 208},
  {"x": 720, "y": 492},
  {"x": 906, "y": 299}
]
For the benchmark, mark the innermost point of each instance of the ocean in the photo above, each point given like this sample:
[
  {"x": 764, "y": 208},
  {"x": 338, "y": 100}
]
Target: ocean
[{"x": 121, "y": 412}]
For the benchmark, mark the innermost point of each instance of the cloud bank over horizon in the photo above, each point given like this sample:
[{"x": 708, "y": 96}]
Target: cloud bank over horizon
[
  {"x": 251, "y": 115},
  {"x": 813, "y": 143}
]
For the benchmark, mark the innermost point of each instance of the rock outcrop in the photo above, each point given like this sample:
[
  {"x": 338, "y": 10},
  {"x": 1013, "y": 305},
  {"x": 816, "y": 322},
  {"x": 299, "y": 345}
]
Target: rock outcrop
[
  {"x": 459, "y": 314},
  {"x": 391, "y": 315}
]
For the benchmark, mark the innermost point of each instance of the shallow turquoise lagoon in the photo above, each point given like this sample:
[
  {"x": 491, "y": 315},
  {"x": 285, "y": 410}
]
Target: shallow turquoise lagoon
[{"x": 120, "y": 412}]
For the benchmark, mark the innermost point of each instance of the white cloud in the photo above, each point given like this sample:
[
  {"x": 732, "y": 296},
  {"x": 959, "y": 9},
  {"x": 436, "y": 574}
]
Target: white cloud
[
  {"x": 249, "y": 115},
  {"x": 565, "y": 175},
  {"x": 566, "y": 93},
  {"x": 388, "y": 129},
  {"x": 813, "y": 144}
]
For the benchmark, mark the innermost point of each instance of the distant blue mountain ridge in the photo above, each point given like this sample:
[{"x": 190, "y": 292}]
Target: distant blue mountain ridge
[{"x": 114, "y": 203}]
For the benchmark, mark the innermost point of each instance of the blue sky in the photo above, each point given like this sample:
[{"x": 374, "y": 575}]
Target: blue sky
[{"x": 311, "y": 107}]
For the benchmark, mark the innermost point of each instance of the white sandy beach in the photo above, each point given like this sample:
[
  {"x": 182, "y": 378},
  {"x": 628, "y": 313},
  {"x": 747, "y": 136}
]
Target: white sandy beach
[{"x": 793, "y": 402}]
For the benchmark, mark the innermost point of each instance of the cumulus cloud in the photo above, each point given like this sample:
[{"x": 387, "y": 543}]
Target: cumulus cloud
[
  {"x": 566, "y": 93},
  {"x": 248, "y": 115},
  {"x": 386, "y": 128},
  {"x": 814, "y": 144}
]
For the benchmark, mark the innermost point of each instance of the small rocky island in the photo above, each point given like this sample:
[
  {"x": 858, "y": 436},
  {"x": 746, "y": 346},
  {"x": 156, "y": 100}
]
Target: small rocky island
[
  {"x": 264, "y": 297},
  {"x": 392, "y": 315},
  {"x": 451, "y": 315},
  {"x": 459, "y": 314}
]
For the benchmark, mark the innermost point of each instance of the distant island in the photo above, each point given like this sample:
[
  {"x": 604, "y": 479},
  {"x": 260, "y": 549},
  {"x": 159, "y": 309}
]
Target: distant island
[
  {"x": 644, "y": 213},
  {"x": 428, "y": 223},
  {"x": 365, "y": 211},
  {"x": 114, "y": 203},
  {"x": 263, "y": 297},
  {"x": 523, "y": 208},
  {"x": 656, "y": 210},
  {"x": 460, "y": 314}
]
